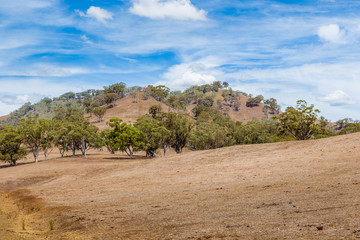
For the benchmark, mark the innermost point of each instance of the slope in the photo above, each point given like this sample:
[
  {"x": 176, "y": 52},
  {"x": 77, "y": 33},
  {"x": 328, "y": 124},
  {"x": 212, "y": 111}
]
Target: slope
[{"x": 289, "y": 190}]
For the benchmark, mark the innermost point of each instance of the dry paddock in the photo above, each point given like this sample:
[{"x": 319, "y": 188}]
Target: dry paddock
[{"x": 290, "y": 190}]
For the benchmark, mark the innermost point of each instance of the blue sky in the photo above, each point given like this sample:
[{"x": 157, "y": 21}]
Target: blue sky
[{"x": 288, "y": 50}]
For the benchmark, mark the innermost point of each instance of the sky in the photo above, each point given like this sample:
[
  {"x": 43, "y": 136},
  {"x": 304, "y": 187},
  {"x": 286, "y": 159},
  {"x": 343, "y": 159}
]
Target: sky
[{"x": 288, "y": 50}]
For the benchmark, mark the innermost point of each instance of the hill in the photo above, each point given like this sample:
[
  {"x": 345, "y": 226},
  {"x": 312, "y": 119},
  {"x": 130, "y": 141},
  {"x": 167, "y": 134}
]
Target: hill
[
  {"x": 128, "y": 110},
  {"x": 289, "y": 190},
  {"x": 120, "y": 103}
]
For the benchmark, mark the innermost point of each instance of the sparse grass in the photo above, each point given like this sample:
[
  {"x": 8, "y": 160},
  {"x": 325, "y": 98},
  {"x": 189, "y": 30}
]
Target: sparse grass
[{"x": 51, "y": 224}]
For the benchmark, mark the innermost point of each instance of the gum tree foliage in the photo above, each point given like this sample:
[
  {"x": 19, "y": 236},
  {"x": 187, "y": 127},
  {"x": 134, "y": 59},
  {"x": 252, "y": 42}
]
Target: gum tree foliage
[
  {"x": 254, "y": 101},
  {"x": 74, "y": 132},
  {"x": 99, "y": 112},
  {"x": 212, "y": 130},
  {"x": 208, "y": 135},
  {"x": 111, "y": 97},
  {"x": 216, "y": 85},
  {"x": 271, "y": 106},
  {"x": 122, "y": 137},
  {"x": 154, "y": 110},
  {"x": 179, "y": 126},
  {"x": 10, "y": 145},
  {"x": 159, "y": 92},
  {"x": 152, "y": 135},
  {"x": 256, "y": 131},
  {"x": 231, "y": 98},
  {"x": 299, "y": 121},
  {"x": 118, "y": 88},
  {"x": 34, "y": 133},
  {"x": 206, "y": 100}
]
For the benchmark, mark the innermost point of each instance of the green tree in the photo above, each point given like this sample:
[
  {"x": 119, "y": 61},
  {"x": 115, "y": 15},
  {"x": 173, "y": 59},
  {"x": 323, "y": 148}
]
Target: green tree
[
  {"x": 111, "y": 97},
  {"x": 61, "y": 137},
  {"x": 118, "y": 88},
  {"x": 180, "y": 127},
  {"x": 10, "y": 145},
  {"x": 122, "y": 137},
  {"x": 153, "y": 135},
  {"x": 255, "y": 132},
  {"x": 208, "y": 135},
  {"x": 299, "y": 122},
  {"x": 216, "y": 85},
  {"x": 271, "y": 106},
  {"x": 159, "y": 92},
  {"x": 34, "y": 133},
  {"x": 74, "y": 132},
  {"x": 254, "y": 101},
  {"x": 99, "y": 112},
  {"x": 154, "y": 110}
]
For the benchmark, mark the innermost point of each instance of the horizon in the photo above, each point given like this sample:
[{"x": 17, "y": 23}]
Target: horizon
[{"x": 288, "y": 50}]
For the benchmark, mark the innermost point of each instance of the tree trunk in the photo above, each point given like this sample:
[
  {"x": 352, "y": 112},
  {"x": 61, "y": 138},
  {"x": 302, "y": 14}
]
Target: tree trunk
[
  {"x": 45, "y": 153},
  {"x": 36, "y": 154},
  {"x": 13, "y": 162}
]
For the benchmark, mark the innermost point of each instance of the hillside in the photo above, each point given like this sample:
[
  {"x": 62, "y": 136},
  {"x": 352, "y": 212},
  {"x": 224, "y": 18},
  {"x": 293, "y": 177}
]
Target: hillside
[
  {"x": 121, "y": 100},
  {"x": 288, "y": 190},
  {"x": 128, "y": 110}
]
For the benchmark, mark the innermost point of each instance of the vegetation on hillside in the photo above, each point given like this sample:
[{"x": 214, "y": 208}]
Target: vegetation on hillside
[{"x": 40, "y": 127}]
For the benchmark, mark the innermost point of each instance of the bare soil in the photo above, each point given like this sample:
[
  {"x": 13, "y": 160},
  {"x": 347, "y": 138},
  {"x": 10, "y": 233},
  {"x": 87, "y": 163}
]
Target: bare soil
[{"x": 290, "y": 190}]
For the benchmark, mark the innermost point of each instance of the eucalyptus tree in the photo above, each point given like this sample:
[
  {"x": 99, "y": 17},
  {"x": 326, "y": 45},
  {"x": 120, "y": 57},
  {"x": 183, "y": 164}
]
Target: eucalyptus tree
[{"x": 10, "y": 145}]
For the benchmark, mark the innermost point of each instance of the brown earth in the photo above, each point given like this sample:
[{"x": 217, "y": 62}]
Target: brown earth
[
  {"x": 290, "y": 190},
  {"x": 4, "y": 117},
  {"x": 127, "y": 110}
]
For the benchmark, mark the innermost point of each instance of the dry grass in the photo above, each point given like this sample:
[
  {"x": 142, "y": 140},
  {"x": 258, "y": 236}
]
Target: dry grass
[{"x": 291, "y": 190}]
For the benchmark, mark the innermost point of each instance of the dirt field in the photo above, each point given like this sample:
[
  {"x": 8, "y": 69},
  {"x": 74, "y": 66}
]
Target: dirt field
[{"x": 291, "y": 190}]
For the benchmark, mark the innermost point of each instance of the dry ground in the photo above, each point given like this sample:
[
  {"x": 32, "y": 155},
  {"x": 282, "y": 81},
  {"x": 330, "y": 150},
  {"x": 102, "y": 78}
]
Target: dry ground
[{"x": 290, "y": 190}]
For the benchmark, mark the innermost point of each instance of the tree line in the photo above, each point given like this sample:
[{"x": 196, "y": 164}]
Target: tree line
[{"x": 70, "y": 131}]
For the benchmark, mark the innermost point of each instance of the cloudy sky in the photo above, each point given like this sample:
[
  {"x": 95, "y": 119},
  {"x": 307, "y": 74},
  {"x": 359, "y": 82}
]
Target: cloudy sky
[{"x": 284, "y": 49}]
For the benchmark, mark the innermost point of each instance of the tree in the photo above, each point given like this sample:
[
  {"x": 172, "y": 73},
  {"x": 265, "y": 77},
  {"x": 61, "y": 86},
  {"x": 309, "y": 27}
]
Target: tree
[
  {"x": 122, "y": 137},
  {"x": 225, "y": 84},
  {"x": 180, "y": 127},
  {"x": 61, "y": 137},
  {"x": 206, "y": 100},
  {"x": 159, "y": 92},
  {"x": 271, "y": 106},
  {"x": 254, "y": 101},
  {"x": 153, "y": 136},
  {"x": 10, "y": 145},
  {"x": 33, "y": 133},
  {"x": 118, "y": 88},
  {"x": 99, "y": 112},
  {"x": 111, "y": 97},
  {"x": 216, "y": 85},
  {"x": 299, "y": 122},
  {"x": 208, "y": 135},
  {"x": 48, "y": 138},
  {"x": 154, "y": 110},
  {"x": 74, "y": 132}
]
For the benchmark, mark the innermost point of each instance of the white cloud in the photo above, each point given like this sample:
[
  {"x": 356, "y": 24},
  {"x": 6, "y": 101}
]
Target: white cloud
[
  {"x": 15, "y": 100},
  {"x": 98, "y": 13},
  {"x": 176, "y": 9},
  {"x": 337, "y": 98},
  {"x": 41, "y": 70},
  {"x": 184, "y": 75},
  {"x": 332, "y": 33}
]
